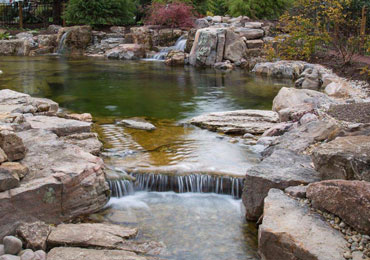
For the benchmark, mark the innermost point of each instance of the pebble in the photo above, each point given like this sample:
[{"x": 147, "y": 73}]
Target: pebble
[{"x": 347, "y": 255}]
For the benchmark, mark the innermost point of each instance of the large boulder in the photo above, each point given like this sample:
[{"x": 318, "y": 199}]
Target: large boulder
[
  {"x": 350, "y": 200},
  {"x": 290, "y": 231},
  {"x": 344, "y": 158},
  {"x": 18, "y": 47},
  {"x": 175, "y": 58},
  {"x": 75, "y": 253},
  {"x": 280, "y": 69},
  {"x": 282, "y": 169},
  {"x": 292, "y": 97},
  {"x": 300, "y": 138},
  {"x": 208, "y": 47},
  {"x": 64, "y": 182},
  {"x": 237, "y": 122},
  {"x": 75, "y": 39},
  {"x": 126, "y": 52},
  {"x": 235, "y": 47}
]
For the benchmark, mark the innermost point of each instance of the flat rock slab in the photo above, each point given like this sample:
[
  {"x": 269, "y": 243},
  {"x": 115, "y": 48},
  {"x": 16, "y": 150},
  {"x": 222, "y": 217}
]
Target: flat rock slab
[
  {"x": 344, "y": 158},
  {"x": 299, "y": 138},
  {"x": 282, "y": 169},
  {"x": 291, "y": 231},
  {"x": 75, "y": 253},
  {"x": 137, "y": 124},
  {"x": 107, "y": 236},
  {"x": 237, "y": 122},
  {"x": 350, "y": 200},
  {"x": 59, "y": 126}
]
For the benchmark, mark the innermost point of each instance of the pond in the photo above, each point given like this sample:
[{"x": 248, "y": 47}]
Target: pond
[{"x": 192, "y": 225}]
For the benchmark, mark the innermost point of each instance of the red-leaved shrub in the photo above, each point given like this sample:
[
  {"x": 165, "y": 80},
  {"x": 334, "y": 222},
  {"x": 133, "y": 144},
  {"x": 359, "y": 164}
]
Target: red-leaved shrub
[{"x": 174, "y": 15}]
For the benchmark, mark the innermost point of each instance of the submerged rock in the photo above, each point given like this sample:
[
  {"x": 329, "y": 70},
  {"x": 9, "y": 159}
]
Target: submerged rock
[
  {"x": 284, "y": 168},
  {"x": 237, "y": 122},
  {"x": 290, "y": 231},
  {"x": 137, "y": 124},
  {"x": 344, "y": 158},
  {"x": 350, "y": 200}
]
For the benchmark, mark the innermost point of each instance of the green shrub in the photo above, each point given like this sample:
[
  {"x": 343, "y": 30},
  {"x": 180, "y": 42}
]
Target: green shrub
[
  {"x": 100, "y": 12},
  {"x": 262, "y": 9}
]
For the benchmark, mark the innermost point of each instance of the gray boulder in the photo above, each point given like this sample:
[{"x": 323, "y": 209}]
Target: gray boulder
[
  {"x": 344, "y": 158},
  {"x": 208, "y": 47},
  {"x": 297, "y": 191},
  {"x": 280, "y": 69},
  {"x": 284, "y": 168},
  {"x": 235, "y": 47},
  {"x": 290, "y": 231},
  {"x": 249, "y": 33},
  {"x": 299, "y": 138},
  {"x": 12, "y": 245}
]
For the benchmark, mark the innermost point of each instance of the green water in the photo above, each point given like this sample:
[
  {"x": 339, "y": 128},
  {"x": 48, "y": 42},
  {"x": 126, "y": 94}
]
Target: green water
[
  {"x": 112, "y": 90},
  {"x": 126, "y": 89}
]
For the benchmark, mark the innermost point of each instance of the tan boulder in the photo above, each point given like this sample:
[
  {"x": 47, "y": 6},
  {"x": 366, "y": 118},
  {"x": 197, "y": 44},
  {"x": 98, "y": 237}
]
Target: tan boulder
[
  {"x": 290, "y": 231},
  {"x": 350, "y": 200}
]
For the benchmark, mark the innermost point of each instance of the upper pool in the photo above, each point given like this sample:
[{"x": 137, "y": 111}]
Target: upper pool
[{"x": 166, "y": 96}]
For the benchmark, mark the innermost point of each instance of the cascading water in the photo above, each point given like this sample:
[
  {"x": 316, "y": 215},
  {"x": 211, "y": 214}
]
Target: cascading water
[
  {"x": 61, "y": 45},
  {"x": 189, "y": 183},
  {"x": 179, "y": 46}
]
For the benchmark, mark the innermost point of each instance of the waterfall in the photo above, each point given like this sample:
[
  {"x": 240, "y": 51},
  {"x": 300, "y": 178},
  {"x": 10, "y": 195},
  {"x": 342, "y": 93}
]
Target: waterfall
[
  {"x": 179, "y": 46},
  {"x": 189, "y": 183},
  {"x": 61, "y": 45}
]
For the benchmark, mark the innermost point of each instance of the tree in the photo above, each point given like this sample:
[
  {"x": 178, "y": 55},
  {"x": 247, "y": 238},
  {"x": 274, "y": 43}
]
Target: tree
[
  {"x": 174, "y": 15},
  {"x": 317, "y": 25},
  {"x": 258, "y": 9},
  {"x": 100, "y": 12}
]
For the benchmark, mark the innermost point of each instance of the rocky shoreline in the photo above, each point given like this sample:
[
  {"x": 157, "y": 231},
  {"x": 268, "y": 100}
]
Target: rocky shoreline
[{"x": 49, "y": 172}]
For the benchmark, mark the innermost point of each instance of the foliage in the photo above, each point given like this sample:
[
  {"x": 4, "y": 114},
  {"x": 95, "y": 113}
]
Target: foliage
[
  {"x": 217, "y": 7},
  {"x": 100, "y": 12},
  {"x": 4, "y": 36},
  {"x": 262, "y": 9},
  {"x": 174, "y": 15},
  {"x": 314, "y": 25}
]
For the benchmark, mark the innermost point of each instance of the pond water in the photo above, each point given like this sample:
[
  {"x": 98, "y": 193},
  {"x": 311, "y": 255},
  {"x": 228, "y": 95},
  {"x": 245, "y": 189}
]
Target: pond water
[
  {"x": 192, "y": 225},
  {"x": 166, "y": 96}
]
